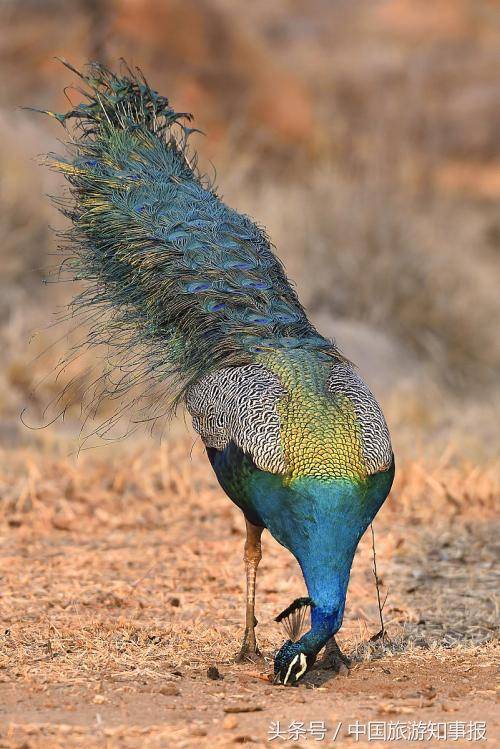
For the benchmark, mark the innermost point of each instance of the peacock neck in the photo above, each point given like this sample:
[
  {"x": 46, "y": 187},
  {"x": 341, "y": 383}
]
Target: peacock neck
[
  {"x": 321, "y": 523},
  {"x": 324, "y": 624},
  {"x": 326, "y": 575}
]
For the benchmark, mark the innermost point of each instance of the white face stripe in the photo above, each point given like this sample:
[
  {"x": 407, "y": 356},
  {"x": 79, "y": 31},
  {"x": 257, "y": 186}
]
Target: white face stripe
[
  {"x": 292, "y": 662},
  {"x": 303, "y": 663}
]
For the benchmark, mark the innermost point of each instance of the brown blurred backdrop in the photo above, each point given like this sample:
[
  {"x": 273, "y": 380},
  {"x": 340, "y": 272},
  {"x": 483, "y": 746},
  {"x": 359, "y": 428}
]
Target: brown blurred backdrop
[{"x": 363, "y": 135}]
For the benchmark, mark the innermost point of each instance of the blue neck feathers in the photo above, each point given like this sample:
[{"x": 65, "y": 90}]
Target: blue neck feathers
[{"x": 321, "y": 523}]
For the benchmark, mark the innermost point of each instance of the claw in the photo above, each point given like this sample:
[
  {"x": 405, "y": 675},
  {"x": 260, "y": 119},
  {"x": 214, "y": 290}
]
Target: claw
[
  {"x": 249, "y": 649},
  {"x": 334, "y": 659},
  {"x": 248, "y": 654}
]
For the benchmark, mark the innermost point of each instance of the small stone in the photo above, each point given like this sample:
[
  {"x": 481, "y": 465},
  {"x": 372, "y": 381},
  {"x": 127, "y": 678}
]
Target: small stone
[
  {"x": 242, "y": 708},
  {"x": 175, "y": 602},
  {"x": 169, "y": 690},
  {"x": 214, "y": 673},
  {"x": 230, "y": 722},
  {"x": 62, "y": 523}
]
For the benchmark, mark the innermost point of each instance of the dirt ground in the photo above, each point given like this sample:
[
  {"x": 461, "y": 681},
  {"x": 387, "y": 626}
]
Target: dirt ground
[{"x": 121, "y": 584}]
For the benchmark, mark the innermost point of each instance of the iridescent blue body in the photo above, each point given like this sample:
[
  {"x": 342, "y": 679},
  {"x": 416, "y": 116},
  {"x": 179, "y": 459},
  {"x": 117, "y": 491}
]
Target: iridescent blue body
[{"x": 319, "y": 522}]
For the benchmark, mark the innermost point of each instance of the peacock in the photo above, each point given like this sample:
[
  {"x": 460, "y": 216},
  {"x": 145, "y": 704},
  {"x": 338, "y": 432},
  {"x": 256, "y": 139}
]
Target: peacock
[{"x": 295, "y": 437}]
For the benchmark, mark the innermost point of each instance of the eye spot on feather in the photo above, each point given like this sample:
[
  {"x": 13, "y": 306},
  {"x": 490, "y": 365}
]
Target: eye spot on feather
[{"x": 196, "y": 286}]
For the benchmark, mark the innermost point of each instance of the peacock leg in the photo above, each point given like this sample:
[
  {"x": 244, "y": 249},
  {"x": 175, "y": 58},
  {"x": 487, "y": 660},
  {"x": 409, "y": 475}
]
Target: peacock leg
[
  {"x": 334, "y": 659},
  {"x": 252, "y": 557}
]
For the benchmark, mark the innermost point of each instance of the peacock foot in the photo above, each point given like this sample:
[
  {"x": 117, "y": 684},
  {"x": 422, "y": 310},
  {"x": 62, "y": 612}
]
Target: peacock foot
[
  {"x": 334, "y": 659},
  {"x": 249, "y": 649}
]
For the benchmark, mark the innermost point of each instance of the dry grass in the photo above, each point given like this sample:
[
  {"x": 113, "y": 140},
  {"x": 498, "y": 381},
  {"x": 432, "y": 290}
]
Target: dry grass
[{"x": 122, "y": 575}]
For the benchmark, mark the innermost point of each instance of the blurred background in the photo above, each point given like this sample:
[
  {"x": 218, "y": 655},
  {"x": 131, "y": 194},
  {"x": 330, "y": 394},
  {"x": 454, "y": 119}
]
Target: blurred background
[{"x": 363, "y": 135}]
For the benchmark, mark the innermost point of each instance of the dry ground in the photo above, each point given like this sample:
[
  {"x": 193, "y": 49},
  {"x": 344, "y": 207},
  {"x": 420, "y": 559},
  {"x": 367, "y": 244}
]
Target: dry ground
[{"x": 121, "y": 583}]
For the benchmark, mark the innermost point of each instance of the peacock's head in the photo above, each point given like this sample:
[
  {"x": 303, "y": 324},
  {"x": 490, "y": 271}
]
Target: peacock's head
[{"x": 291, "y": 663}]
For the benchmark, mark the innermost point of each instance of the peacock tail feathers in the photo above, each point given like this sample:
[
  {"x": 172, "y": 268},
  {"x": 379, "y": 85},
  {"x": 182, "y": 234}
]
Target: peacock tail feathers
[{"x": 177, "y": 284}]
